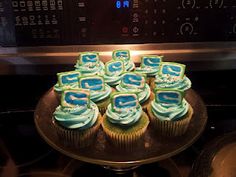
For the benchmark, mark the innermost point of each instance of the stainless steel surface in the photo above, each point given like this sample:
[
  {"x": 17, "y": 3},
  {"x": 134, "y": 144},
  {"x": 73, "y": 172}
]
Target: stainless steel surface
[{"x": 198, "y": 56}]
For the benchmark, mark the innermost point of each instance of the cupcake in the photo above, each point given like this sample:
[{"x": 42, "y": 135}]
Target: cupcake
[
  {"x": 66, "y": 80},
  {"x": 124, "y": 55},
  {"x": 135, "y": 82},
  {"x": 170, "y": 114},
  {"x": 172, "y": 76},
  {"x": 99, "y": 90},
  {"x": 76, "y": 119},
  {"x": 150, "y": 66},
  {"x": 89, "y": 64},
  {"x": 113, "y": 72},
  {"x": 124, "y": 122}
]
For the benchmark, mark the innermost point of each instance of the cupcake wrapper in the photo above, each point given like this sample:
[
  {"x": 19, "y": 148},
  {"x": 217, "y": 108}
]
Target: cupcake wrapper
[
  {"x": 125, "y": 141},
  {"x": 150, "y": 80},
  {"x": 77, "y": 138},
  {"x": 146, "y": 103},
  {"x": 171, "y": 128},
  {"x": 152, "y": 85},
  {"x": 102, "y": 105}
]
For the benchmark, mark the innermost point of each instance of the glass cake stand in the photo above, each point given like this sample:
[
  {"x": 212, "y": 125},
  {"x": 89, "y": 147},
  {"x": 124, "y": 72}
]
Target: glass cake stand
[{"x": 153, "y": 148}]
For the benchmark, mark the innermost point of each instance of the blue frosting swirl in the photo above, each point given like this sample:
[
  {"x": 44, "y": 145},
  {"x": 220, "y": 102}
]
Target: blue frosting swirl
[
  {"x": 112, "y": 80},
  {"x": 149, "y": 71},
  {"x": 143, "y": 93},
  {"x": 171, "y": 82},
  {"x": 125, "y": 117},
  {"x": 169, "y": 112},
  {"x": 89, "y": 71},
  {"x": 79, "y": 117},
  {"x": 59, "y": 88},
  {"x": 129, "y": 65},
  {"x": 97, "y": 96}
]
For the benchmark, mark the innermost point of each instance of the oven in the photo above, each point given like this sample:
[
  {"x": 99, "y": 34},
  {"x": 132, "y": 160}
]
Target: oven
[{"x": 40, "y": 38}]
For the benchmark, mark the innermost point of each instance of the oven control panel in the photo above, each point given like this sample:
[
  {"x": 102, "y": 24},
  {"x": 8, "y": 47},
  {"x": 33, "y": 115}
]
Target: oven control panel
[{"x": 60, "y": 22}]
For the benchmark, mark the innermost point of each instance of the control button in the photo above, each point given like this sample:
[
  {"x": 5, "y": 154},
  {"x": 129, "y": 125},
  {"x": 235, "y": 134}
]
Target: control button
[
  {"x": 82, "y": 19},
  {"x": 32, "y": 20},
  {"x": 186, "y": 28},
  {"x": 30, "y": 5},
  {"x": 135, "y": 4},
  {"x": 15, "y": 4},
  {"x": 125, "y": 29},
  {"x": 52, "y": 4},
  {"x": 18, "y": 21},
  {"x": 60, "y": 5},
  {"x": 135, "y": 29},
  {"x": 188, "y": 3},
  {"x": 25, "y": 21},
  {"x": 216, "y": 3},
  {"x": 47, "y": 22},
  {"x": 54, "y": 20},
  {"x": 37, "y": 5},
  {"x": 135, "y": 15},
  {"x": 81, "y": 4},
  {"x": 22, "y": 3},
  {"x": 135, "y": 18},
  {"x": 45, "y": 5}
]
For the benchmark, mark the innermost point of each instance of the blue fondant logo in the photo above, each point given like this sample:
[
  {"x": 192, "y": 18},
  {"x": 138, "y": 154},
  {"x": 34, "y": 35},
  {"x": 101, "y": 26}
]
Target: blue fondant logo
[
  {"x": 72, "y": 98},
  {"x": 89, "y": 59},
  {"x": 151, "y": 61},
  {"x": 114, "y": 67},
  {"x": 169, "y": 96},
  {"x": 124, "y": 101},
  {"x": 172, "y": 69},
  {"x": 121, "y": 54},
  {"x": 133, "y": 79},
  {"x": 95, "y": 83},
  {"x": 68, "y": 78}
]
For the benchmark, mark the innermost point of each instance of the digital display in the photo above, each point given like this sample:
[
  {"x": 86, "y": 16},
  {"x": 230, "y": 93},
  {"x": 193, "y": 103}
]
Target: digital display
[{"x": 122, "y": 4}]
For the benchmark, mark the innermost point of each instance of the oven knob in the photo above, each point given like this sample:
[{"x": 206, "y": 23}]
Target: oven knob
[
  {"x": 135, "y": 29},
  {"x": 186, "y": 28},
  {"x": 188, "y": 4},
  {"x": 216, "y": 3}
]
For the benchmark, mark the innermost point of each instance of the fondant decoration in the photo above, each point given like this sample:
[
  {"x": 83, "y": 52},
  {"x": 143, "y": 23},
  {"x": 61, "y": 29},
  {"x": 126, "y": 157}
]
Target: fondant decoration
[
  {"x": 89, "y": 59},
  {"x": 168, "y": 96},
  {"x": 121, "y": 101},
  {"x": 95, "y": 83},
  {"x": 68, "y": 78},
  {"x": 151, "y": 61},
  {"x": 75, "y": 97},
  {"x": 121, "y": 54},
  {"x": 133, "y": 79},
  {"x": 114, "y": 67},
  {"x": 172, "y": 69}
]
